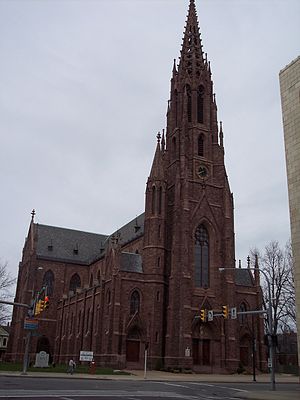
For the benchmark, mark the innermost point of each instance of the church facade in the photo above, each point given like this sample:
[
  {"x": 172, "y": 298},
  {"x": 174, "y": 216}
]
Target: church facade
[{"x": 143, "y": 286}]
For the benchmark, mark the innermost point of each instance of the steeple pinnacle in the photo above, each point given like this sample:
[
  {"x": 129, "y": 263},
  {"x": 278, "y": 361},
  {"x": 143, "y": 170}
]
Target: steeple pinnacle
[
  {"x": 157, "y": 165},
  {"x": 192, "y": 59}
]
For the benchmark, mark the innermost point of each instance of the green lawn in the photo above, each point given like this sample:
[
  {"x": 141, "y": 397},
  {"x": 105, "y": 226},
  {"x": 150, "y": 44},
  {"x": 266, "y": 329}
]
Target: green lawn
[{"x": 61, "y": 368}]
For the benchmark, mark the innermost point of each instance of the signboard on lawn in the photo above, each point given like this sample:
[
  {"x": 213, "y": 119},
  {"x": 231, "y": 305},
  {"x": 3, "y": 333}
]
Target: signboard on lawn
[{"x": 86, "y": 356}]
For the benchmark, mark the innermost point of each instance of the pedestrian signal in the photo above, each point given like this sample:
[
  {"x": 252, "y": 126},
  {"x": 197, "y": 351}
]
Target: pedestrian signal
[
  {"x": 202, "y": 315},
  {"x": 225, "y": 312}
]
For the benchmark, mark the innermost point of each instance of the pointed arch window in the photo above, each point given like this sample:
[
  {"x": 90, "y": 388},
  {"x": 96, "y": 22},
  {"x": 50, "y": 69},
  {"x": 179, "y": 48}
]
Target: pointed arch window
[
  {"x": 176, "y": 106},
  {"x": 75, "y": 282},
  {"x": 201, "y": 257},
  {"x": 159, "y": 199},
  {"x": 200, "y": 105},
  {"x": 153, "y": 199},
  {"x": 174, "y": 147},
  {"x": 134, "y": 302},
  {"x": 242, "y": 317},
  {"x": 200, "y": 145},
  {"x": 48, "y": 282},
  {"x": 189, "y": 102}
]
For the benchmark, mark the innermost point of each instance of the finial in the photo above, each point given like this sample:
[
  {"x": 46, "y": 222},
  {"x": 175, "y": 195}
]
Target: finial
[
  {"x": 158, "y": 137},
  {"x": 248, "y": 261},
  {"x": 174, "y": 66},
  {"x": 32, "y": 215},
  {"x": 221, "y": 134},
  {"x": 163, "y": 143}
]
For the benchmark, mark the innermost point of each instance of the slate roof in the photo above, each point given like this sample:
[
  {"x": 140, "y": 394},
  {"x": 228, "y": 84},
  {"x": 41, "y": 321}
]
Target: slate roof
[
  {"x": 68, "y": 245},
  {"x": 78, "y": 247},
  {"x": 244, "y": 277},
  {"x": 131, "y": 262},
  {"x": 131, "y": 231}
]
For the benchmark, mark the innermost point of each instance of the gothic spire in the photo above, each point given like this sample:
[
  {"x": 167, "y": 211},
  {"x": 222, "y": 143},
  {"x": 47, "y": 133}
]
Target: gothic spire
[
  {"x": 157, "y": 171},
  {"x": 191, "y": 59}
]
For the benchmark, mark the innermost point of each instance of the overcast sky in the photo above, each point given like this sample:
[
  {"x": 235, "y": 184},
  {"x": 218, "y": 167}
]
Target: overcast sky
[{"x": 84, "y": 86}]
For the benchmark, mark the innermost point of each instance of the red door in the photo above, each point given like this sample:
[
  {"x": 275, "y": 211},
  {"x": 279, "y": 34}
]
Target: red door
[
  {"x": 132, "y": 350},
  {"x": 196, "y": 358},
  {"x": 206, "y": 352}
]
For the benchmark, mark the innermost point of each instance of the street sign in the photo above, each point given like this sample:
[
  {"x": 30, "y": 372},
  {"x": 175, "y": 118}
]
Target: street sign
[
  {"x": 269, "y": 363},
  {"x": 86, "y": 356},
  {"x": 233, "y": 313},
  {"x": 30, "y": 323},
  {"x": 210, "y": 315}
]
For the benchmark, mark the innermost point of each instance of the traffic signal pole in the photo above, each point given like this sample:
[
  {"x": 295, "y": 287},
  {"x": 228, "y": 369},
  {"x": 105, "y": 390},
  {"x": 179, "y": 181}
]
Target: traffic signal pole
[
  {"x": 270, "y": 324},
  {"x": 28, "y": 336}
]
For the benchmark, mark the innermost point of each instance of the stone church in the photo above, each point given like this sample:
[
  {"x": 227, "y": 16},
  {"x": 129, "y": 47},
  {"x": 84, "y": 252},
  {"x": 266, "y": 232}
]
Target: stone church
[{"x": 143, "y": 286}]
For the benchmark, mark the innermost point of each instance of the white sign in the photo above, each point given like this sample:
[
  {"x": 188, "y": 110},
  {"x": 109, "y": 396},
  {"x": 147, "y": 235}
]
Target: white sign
[
  {"x": 269, "y": 363},
  {"x": 86, "y": 356},
  {"x": 41, "y": 360},
  {"x": 233, "y": 313},
  {"x": 187, "y": 352},
  {"x": 210, "y": 315}
]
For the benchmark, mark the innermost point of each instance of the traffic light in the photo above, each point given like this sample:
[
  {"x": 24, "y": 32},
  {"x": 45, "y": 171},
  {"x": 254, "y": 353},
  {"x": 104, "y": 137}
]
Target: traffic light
[
  {"x": 42, "y": 302},
  {"x": 38, "y": 308},
  {"x": 225, "y": 312},
  {"x": 46, "y": 303},
  {"x": 202, "y": 315}
]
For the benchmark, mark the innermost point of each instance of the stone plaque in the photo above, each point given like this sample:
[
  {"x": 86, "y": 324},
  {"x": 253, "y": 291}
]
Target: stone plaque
[{"x": 41, "y": 360}]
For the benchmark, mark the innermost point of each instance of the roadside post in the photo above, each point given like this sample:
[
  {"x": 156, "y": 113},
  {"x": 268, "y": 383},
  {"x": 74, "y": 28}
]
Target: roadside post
[{"x": 145, "y": 363}]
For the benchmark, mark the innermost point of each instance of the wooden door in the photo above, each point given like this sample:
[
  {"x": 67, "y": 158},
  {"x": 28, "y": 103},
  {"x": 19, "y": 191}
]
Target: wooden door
[
  {"x": 206, "y": 352},
  {"x": 196, "y": 357},
  {"x": 132, "y": 350}
]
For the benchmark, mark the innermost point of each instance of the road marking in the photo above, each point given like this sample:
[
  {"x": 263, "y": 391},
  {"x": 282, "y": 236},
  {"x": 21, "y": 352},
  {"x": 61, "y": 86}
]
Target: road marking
[
  {"x": 201, "y": 384},
  {"x": 228, "y": 387},
  {"x": 174, "y": 384}
]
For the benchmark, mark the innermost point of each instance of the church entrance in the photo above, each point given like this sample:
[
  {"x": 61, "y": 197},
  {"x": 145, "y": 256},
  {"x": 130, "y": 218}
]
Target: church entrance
[
  {"x": 201, "y": 351},
  {"x": 245, "y": 351},
  {"x": 132, "y": 350},
  {"x": 133, "y": 343}
]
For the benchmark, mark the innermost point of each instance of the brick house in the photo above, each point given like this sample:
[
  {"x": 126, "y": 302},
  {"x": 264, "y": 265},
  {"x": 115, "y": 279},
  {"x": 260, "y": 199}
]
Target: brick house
[{"x": 144, "y": 285}]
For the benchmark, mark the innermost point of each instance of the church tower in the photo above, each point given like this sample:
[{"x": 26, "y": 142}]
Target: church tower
[{"x": 199, "y": 209}]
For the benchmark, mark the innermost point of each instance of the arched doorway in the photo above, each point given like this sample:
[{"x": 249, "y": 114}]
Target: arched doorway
[
  {"x": 133, "y": 344},
  {"x": 245, "y": 351},
  {"x": 201, "y": 345}
]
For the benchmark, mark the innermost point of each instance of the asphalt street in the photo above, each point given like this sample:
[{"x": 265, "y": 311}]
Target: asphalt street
[{"x": 43, "y": 388}]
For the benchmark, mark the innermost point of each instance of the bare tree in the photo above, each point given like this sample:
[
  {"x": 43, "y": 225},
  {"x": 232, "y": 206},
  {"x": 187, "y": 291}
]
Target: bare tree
[
  {"x": 277, "y": 263},
  {"x": 6, "y": 283}
]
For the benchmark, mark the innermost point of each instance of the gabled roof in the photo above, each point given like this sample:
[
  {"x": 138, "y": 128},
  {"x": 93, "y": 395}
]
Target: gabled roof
[
  {"x": 78, "y": 247},
  {"x": 244, "y": 277},
  {"x": 131, "y": 231},
  {"x": 4, "y": 330},
  {"x": 68, "y": 245}
]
